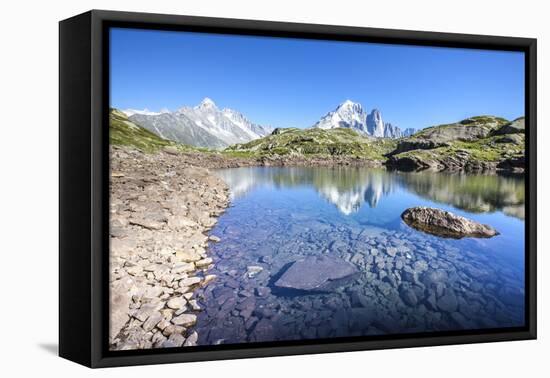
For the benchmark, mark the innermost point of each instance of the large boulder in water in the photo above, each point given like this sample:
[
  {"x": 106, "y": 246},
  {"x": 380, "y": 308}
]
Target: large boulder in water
[
  {"x": 316, "y": 273},
  {"x": 444, "y": 223}
]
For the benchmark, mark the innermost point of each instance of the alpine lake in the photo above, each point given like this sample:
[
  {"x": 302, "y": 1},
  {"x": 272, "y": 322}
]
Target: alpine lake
[{"x": 407, "y": 281}]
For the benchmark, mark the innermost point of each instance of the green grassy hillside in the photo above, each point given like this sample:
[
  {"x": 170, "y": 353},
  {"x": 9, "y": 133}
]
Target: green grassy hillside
[
  {"x": 123, "y": 132},
  {"x": 318, "y": 142},
  {"x": 474, "y": 141}
]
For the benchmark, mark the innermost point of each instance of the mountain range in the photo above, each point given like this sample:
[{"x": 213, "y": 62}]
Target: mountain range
[
  {"x": 479, "y": 143},
  {"x": 352, "y": 115},
  {"x": 205, "y": 125}
]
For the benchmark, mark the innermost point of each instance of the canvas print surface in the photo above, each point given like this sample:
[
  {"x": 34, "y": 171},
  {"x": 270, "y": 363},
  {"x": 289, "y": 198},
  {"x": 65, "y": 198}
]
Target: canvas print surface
[{"x": 278, "y": 190}]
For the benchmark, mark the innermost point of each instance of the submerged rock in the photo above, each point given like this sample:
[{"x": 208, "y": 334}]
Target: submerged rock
[
  {"x": 409, "y": 297},
  {"x": 448, "y": 302},
  {"x": 253, "y": 270},
  {"x": 434, "y": 277},
  {"x": 443, "y": 223},
  {"x": 316, "y": 273}
]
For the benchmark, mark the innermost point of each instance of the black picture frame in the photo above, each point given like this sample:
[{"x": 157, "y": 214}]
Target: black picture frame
[{"x": 84, "y": 194}]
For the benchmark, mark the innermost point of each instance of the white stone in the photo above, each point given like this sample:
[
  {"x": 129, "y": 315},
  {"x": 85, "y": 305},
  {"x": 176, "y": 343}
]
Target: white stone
[
  {"x": 176, "y": 303},
  {"x": 185, "y": 320}
]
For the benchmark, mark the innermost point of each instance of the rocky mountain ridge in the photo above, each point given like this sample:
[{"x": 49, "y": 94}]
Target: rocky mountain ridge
[
  {"x": 353, "y": 115},
  {"x": 204, "y": 125}
]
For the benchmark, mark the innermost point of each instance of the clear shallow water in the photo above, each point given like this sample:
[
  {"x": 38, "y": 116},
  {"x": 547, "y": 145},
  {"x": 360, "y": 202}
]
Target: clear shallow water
[{"x": 408, "y": 281}]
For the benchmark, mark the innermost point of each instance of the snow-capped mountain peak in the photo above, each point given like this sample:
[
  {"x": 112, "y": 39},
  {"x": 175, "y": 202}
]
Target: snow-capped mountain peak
[
  {"x": 203, "y": 125},
  {"x": 391, "y": 131},
  {"x": 254, "y": 130},
  {"x": 350, "y": 114},
  {"x": 207, "y": 103},
  {"x": 375, "y": 124},
  {"x": 376, "y": 115},
  {"x": 349, "y": 104}
]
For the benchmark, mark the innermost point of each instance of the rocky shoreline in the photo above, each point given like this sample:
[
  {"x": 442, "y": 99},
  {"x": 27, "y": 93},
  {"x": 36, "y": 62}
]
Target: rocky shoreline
[
  {"x": 162, "y": 207},
  {"x": 219, "y": 160}
]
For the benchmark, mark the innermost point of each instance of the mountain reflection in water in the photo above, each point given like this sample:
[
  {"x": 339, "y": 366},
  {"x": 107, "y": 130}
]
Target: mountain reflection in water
[{"x": 350, "y": 188}]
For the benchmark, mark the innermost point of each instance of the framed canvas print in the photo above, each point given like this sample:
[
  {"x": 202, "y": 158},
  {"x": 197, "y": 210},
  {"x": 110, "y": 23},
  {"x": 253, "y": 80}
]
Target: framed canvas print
[{"x": 234, "y": 188}]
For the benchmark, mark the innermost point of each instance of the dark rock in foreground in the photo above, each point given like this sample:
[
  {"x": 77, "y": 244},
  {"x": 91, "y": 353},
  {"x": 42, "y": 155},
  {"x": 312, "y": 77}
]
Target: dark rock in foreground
[
  {"x": 316, "y": 273},
  {"x": 443, "y": 223}
]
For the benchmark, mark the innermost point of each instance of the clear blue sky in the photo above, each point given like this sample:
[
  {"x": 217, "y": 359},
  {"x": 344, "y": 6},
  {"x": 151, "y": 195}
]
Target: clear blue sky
[{"x": 292, "y": 83}]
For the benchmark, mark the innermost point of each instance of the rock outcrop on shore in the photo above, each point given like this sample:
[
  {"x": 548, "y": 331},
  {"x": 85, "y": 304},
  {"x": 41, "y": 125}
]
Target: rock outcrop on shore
[
  {"x": 476, "y": 144},
  {"x": 468, "y": 130},
  {"x": 161, "y": 208},
  {"x": 446, "y": 224}
]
